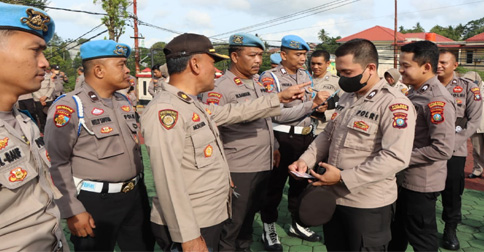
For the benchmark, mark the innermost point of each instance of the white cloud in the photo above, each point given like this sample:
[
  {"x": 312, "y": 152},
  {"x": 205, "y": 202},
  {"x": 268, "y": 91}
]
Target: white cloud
[{"x": 198, "y": 19}]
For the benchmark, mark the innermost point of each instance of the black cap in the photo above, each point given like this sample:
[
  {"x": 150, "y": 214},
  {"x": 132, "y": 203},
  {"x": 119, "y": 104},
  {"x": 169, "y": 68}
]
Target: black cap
[
  {"x": 188, "y": 44},
  {"x": 55, "y": 67},
  {"x": 316, "y": 206}
]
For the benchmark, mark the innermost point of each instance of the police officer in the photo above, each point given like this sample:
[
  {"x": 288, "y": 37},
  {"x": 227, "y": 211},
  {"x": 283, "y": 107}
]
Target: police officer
[
  {"x": 189, "y": 166},
  {"x": 43, "y": 97},
  {"x": 478, "y": 138},
  {"x": 366, "y": 142},
  {"x": 293, "y": 138},
  {"x": 248, "y": 146},
  {"x": 421, "y": 183},
  {"x": 59, "y": 79},
  {"x": 393, "y": 78},
  {"x": 155, "y": 84},
  {"x": 30, "y": 220},
  {"x": 80, "y": 77},
  {"x": 467, "y": 97},
  {"x": 323, "y": 81},
  {"x": 275, "y": 59},
  {"x": 91, "y": 134}
]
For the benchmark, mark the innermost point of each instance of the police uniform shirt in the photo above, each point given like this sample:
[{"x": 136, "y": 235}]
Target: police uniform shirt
[
  {"x": 189, "y": 166},
  {"x": 79, "y": 81},
  {"x": 285, "y": 80},
  {"x": 329, "y": 83},
  {"x": 401, "y": 87},
  {"x": 30, "y": 221},
  {"x": 111, "y": 154},
  {"x": 468, "y": 111},
  {"x": 58, "y": 85},
  {"x": 370, "y": 138},
  {"x": 434, "y": 138},
  {"x": 155, "y": 85},
  {"x": 47, "y": 87}
]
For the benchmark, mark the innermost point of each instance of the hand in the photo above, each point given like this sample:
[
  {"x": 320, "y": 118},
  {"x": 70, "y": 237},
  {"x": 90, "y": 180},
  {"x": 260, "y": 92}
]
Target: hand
[
  {"x": 320, "y": 97},
  {"x": 197, "y": 244},
  {"x": 277, "y": 158},
  {"x": 322, "y": 108},
  {"x": 81, "y": 225},
  {"x": 43, "y": 98},
  {"x": 330, "y": 177},
  {"x": 292, "y": 93},
  {"x": 298, "y": 166}
]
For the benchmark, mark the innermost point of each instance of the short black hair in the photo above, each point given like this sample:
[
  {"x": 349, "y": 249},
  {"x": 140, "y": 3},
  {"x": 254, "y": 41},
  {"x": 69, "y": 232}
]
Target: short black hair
[
  {"x": 423, "y": 52},
  {"x": 364, "y": 51},
  {"x": 177, "y": 65},
  {"x": 235, "y": 49},
  {"x": 156, "y": 67},
  {"x": 321, "y": 53},
  {"x": 445, "y": 50}
]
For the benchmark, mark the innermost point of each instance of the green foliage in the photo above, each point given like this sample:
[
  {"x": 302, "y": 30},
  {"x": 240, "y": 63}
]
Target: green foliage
[
  {"x": 329, "y": 45},
  {"x": 116, "y": 17},
  {"x": 473, "y": 28},
  {"x": 454, "y": 33},
  {"x": 417, "y": 28},
  {"x": 34, "y": 3}
]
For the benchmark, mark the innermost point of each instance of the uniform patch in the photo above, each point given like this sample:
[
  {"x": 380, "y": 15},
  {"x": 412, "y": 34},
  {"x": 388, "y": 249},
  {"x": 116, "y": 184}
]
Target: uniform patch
[
  {"x": 97, "y": 111},
  {"x": 208, "y": 111},
  {"x": 237, "y": 81},
  {"x": 47, "y": 155},
  {"x": 208, "y": 151},
  {"x": 213, "y": 101},
  {"x": 195, "y": 117},
  {"x": 372, "y": 94},
  {"x": 424, "y": 88},
  {"x": 168, "y": 118},
  {"x": 398, "y": 106},
  {"x": 334, "y": 116},
  {"x": 184, "y": 96},
  {"x": 18, "y": 174},
  {"x": 361, "y": 125},
  {"x": 106, "y": 130},
  {"x": 399, "y": 120},
  {"x": 458, "y": 89},
  {"x": 458, "y": 101},
  {"x": 126, "y": 108},
  {"x": 436, "y": 111},
  {"x": 3, "y": 143},
  {"x": 62, "y": 115},
  {"x": 93, "y": 96},
  {"x": 477, "y": 93},
  {"x": 215, "y": 94},
  {"x": 258, "y": 83}
]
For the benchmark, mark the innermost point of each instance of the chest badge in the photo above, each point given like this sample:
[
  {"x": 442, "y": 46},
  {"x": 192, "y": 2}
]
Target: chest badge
[
  {"x": 458, "y": 89},
  {"x": 126, "y": 108},
  {"x": 106, "y": 130},
  {"x": 97, "y": 111},
  {"x": 361, "y": 125},
  {"x": 195, "y": 117},
  {"x": 208, "y": 151},
  {"x": 3, "y": 143},
  {"x": 18, "y": 174},
  {"x": 168, "y": 118}
]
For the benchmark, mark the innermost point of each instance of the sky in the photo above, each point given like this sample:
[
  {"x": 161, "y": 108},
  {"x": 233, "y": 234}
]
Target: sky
[{"x": 270, "y": 19}]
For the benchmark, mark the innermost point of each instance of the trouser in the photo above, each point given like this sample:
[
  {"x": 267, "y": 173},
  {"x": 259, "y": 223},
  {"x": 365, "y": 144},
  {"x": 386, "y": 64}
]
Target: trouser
[
  {"x": 211, "y": 235},
  {"x": 41, "y": 115},
  {"x": 415, "y": 221},
  {"x": 478, "y": 153},
  {"x": 358, "y": 229},
  {"x": 452, "y": 194},
  {"x": 28, "y": 105},
  {"x": 251, "y": 190},
  {"x": 292, "y": 146},
  {"x": 119, "y": 217}
]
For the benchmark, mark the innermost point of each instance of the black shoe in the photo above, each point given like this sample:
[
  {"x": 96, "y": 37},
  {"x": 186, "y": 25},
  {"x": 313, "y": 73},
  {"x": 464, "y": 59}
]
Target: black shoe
[
  {"x": 303, "y": 233},
  {"x": 450, "y": 239},
  {"x": 472, "y": 175},
  {"x": 270, "y": 237}
]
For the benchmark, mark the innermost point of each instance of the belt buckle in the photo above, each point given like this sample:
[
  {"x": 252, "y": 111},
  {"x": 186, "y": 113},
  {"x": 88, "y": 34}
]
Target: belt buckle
[
  {"x": 128, "y": 186},
  {"x": 306, "y": 130}
]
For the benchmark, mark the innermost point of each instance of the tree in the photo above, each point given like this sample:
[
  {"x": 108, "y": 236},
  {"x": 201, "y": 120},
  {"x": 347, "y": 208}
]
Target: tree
[
  {"x": 34, "y": 3},
  {"x": 416, "y": 29},
  {"x": 323, "y": 36},
  {"x": 158, "y": 55},
  {"x": 473, "y": 28},
  {"x": 454, "y": 33},
  {"x": 116, "y": 17}
]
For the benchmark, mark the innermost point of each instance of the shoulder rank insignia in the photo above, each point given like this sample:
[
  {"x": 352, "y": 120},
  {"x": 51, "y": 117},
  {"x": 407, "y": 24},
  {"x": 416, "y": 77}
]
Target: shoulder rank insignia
[
  {"x": 184, "y": 96},
  {"x": 237, "y": 81},
  {"x": 424, "y": 88},
  {"x": 399, "y": 120},
  {"x": 18, "y": 174},
  {"x": 62, "y": 115},
  {"x": 436, "y": 111},
  {"x": 93, "y": 96},
  {"x": 168, "y": 118},
  {"x": 477, "y": 93},
  {"x": 126, "y": 108},
  {"x": 208, "y": 111},
  {"x": 372, "y": 94},
  {"x": 3, "y": 143},
  {"x": 195, "y": 117}
]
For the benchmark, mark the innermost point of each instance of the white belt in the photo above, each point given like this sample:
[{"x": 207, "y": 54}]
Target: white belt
[
  {"x": 97, "y": 187},
  {"x": 299, "y": 130}
]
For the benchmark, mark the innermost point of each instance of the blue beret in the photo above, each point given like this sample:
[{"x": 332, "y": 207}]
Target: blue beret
[
  {"x": 294, "y": 42},
  {"x": 276, "y": 58},
  {"x": 104, "y": 49},
  {"x": 28, "y": 19},
  {"x": 245, "y": 39}
]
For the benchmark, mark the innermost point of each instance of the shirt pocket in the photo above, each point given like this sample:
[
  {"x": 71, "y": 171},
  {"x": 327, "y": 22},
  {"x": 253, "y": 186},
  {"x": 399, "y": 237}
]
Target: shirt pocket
[
  {"x": 17, "y": 174},
  {"x": 108, "y": 140},
  {"x": 360, "y": 134},
  {"x": 204, "y": 146}
]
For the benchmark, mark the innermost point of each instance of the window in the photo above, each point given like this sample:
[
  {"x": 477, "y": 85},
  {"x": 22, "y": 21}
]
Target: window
[{"x": 469, "y": 57}]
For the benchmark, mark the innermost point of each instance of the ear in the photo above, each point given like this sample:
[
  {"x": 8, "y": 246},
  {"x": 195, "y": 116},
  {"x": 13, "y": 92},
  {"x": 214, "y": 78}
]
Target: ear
[
  {"x": 372, "y": 68},
  {"x": 427, "y": 67},
  {"x": 234, "y": 57},
  {"x": 98, "y": 71},
  {"x": 283, "y": 55},
  {"x": 194, "y": 64}
]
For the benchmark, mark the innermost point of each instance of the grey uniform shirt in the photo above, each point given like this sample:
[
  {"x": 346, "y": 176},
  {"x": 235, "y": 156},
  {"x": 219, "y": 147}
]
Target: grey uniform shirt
[
  {"x": 47, "y": 87},
  {"x": 370, "y": 138},
  {"x": 434, "y": 138},
  {"x": 468, "y": 111},
  {"x": 329, "y": 83},
  {"x": 30, "y": 221},
  {"x": 190, "y": 169},
  {"x": 112, "y": 154},
  {"x": 79, "y": 81},
  {"x": 155, "y": 85}
]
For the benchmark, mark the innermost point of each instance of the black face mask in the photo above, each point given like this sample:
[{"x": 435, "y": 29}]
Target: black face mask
[{"x": 352, "y": 84}]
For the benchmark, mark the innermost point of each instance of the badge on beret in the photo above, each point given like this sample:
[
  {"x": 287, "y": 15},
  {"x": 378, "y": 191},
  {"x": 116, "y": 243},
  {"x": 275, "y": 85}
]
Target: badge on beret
[
  {"x": 398, "y": 106},
  {"x": 237, "y": 39},
  {"x": 18, "y": 174},
  {"x": 436, "y": 111},
  {"x": 121, "y": 50},
  {"x": 184, "y": 96},
  {"x": 477, "y": 93},
  {"x": 213, "y": 101},
  {"x": 399, "y": 120},
  {"x": 3, "y": 143},
  {"x": 195, "y": 117},
  {"x": 62, "y": 115},
  {"x": 106, "y": 130},
  {"x": 372, "y": 94},
  {"x": 168, "y": 118},
  {"x": 126, "y": 108},
  {"x": 215, "y": 94},
  {"x": 361, "y": 125},
  {"x": 294, "y": 44},
  {"x": 208, "y": 111},
  {"x": 208, "y": 151},
  {"x": 97, "y": 111},
  {"x": 237, "y": 81},
  {"x": 458, "y": 89},
  {"x": 36, "y": 20}
]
